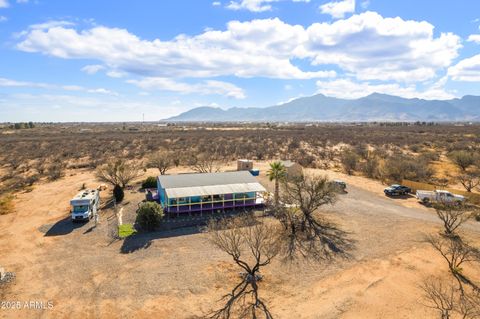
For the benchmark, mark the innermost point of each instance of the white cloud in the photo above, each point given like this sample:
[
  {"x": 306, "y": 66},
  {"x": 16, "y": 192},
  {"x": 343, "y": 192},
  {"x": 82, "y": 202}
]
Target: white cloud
[
  {"x": 116, "y": 74},
  {"x": 467, "y": 70},
  {"x": 246, "y": 49},
  {"x": 338, "y": 9},
  {"x": 22, "y": 1},
  {"x": 349, "y": 89},
  {"x": 4, "y": 82},
  {"x": 13, "y": 83},
  {"x": 251, "y": 5},
  {"x": 474, "y": 38},
  {"x": 365, "y": 4},
  {"x": 102, "y": 91},
  {"x": 254, "y": 5},
  {"x": 377, "y": 48},
  {"x": 207, "y": 87},
  {"x": 3, "y": 18},
  {"x": 366, "y": 45},
  {"x": 4, "y": 4},
  {"x": 93, "y": 68},
  {"x": 216, "y": 3}
]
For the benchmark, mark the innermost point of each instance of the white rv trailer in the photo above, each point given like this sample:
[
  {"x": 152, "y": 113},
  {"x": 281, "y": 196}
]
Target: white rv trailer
[{"x": 85, "y": 204}]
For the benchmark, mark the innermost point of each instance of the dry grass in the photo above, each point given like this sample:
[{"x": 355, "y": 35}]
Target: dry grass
[{"x": 6, "y": 204}]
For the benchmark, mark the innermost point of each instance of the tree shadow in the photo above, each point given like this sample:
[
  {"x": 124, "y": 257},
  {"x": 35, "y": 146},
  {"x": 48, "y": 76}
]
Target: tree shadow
[
  {"x": 144, "y": 240},
  {"x": 61, "y": 228}
]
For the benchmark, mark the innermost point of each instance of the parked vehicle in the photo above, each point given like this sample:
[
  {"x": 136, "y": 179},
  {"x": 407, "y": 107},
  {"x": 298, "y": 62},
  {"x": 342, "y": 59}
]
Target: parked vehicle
[
  {"x": 85, "y": 205},
  {"x": 396, "y": 190},
  {"x": 439, "y": 196},
  {"x": 339, "y": 185}
]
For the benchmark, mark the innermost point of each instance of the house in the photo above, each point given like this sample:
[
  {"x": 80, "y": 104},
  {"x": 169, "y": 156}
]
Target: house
[
  {"x": 293, "y": 169},
  {"x": 200, "y": 192},
  {"x": 244, "y": 165}
]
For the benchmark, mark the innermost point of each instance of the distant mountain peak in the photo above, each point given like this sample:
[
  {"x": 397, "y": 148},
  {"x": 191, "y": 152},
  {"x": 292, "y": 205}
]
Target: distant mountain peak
[{"x": 321, "y": 108}]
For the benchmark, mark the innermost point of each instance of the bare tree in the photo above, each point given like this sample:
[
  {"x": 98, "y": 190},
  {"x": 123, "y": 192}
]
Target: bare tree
[
  {"x": 204, "y": 163},
  {"x": 469, "y": 180},
  {"x": 118, "y": 172},
  {"x": 161, "y": 161},
  {"x": 439, "y": 296},
  {"x": 306, "y": 233},
  {"x": 453, "y": 216},
  {"x": 456, "y": 253},
  {"x": 252, "y": 245},
  {"x": 449, "y": 300}
]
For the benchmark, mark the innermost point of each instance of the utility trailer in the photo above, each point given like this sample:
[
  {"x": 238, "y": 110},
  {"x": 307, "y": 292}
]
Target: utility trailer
[{"x": 85, "y": 205}]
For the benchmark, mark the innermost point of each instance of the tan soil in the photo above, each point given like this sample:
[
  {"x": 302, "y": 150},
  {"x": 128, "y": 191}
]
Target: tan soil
[{"x": 181, "y": 276}]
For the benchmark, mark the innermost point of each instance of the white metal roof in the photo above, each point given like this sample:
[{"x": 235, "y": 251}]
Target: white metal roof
[
  {"x": 205, "y": 179},
  {"x": 214, "y": 190}
]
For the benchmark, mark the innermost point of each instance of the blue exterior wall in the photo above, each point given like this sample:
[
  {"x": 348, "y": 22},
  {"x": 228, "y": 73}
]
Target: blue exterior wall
[{"x": 161, "y": 193}]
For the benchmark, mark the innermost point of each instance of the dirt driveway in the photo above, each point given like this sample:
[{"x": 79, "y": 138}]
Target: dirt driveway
[{"x": 179, "y": 274}]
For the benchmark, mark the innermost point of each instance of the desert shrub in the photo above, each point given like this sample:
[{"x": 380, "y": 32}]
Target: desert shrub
[
  {"x": 430, "y": 156},
  {"x": 6, "y": 204},
  {"x": 306, "y": 160},
  {"x": 399, "y": 167},
  {"x": 55, "y": 171},
  {"x": 118, "y": 193},
  {"x": 150, "y": 182},
  {"x": 149, "y": 215},
  {"x": 349, "y": 160},
  {"x": 370, "y": 168},
  {"x": 463, "y": 159}
]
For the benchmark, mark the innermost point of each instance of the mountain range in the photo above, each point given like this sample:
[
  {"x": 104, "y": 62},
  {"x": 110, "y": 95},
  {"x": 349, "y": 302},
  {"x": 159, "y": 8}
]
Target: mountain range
[{"x": 321, "y": 108}]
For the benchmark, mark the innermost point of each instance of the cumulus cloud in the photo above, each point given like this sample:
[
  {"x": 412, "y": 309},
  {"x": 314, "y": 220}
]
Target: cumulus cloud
[
  {"x": 255, "y": 5},
  {"x": 93, "y": 68},
  {"x": 377, "y": 48},
  {"x": 366, "y": 45},
  {"x": 474, "y": 38},
  {"x": 467, "y": 70},
  {"x": 338, "y": 9},
  {"x": 4, "y": 4},
  {"x": 349, "y": 89},
  {"x": 246, "y": 49},
  {"x": 205, "y": 87}
]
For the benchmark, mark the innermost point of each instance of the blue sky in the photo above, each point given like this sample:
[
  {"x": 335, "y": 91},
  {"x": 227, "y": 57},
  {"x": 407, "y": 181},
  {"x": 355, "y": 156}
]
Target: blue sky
[{"x": 116, "y": 60}]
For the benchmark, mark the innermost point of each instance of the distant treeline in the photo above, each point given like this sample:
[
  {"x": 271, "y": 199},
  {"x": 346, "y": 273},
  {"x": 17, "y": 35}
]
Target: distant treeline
[{"x": 21, "y": 125}]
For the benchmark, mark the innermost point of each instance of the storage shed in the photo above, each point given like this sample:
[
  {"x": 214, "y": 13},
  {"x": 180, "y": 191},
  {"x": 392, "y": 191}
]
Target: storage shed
[
  {"x": 244, "y": 165},
  {"x": 293, "y": 169}
]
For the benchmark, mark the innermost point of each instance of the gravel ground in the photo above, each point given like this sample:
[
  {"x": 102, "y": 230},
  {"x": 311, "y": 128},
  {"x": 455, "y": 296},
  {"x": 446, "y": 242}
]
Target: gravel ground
[{"x": 178, "y": 273}]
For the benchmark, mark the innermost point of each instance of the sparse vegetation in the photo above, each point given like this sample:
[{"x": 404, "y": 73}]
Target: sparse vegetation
[
  {"x": 6, "y": 204},
  {"x": 150, "y": 182}
]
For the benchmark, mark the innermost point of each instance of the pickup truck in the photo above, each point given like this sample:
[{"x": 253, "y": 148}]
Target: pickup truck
[{"x": 439, "y": 196}]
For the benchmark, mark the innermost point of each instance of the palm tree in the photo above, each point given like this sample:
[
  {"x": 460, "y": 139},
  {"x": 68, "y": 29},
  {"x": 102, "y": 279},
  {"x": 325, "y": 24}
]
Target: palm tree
[{"x": 276, "y": 173}]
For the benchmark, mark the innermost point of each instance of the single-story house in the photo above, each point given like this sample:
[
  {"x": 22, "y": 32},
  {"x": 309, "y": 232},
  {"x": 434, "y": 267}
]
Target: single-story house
[
  {"x": 198, "y": 192},
  {"x": 293, "y": 169}
]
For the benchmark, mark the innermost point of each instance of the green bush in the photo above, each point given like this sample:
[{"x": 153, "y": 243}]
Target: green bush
[
  {"x": 149, "y": 215},
  {"x": 126, "y": 230},
  {"x": 118, "y": 193},
  {"x": 150, "y": 182}
]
